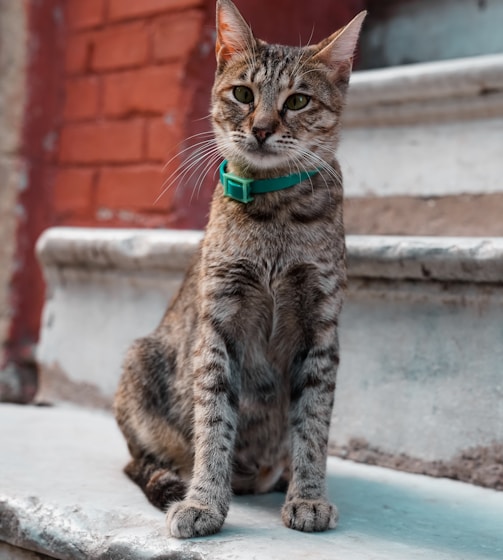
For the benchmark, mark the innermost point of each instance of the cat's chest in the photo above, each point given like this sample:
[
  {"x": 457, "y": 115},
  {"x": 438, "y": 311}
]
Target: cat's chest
[
  {"x": 271, "y": 248},
  {"x": 268, "y": 277},
  {"x": 271, "y": 263},
  {"x": 284, "y": 228}
]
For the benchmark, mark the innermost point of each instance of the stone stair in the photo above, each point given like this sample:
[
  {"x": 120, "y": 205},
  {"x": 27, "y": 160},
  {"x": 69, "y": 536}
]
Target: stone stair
[
  {"x": 419, "y": 389},
  {"x": 421, "y": 338},
  {"x": 420, "y": 385},
  {"x": 63, "y": 495},
  {"x": 421, "y": 149},
  {"x": 427, "y": 129}
]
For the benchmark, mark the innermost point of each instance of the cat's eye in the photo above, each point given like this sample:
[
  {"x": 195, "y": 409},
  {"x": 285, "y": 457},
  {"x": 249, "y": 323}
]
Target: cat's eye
[
  {"x": 243, "y": 94},
  {"x": 297, "y": 101}
]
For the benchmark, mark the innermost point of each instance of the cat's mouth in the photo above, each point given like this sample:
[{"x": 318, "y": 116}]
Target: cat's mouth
[
  {"x": 265, "y": 157},
  {"x": 250, "y": 153},
  {"x": 264, "y": 151}
]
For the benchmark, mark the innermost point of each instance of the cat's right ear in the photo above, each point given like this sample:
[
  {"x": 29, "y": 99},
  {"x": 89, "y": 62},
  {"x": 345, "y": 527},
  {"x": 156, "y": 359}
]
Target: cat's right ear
[{"x": 233, "y": 33}]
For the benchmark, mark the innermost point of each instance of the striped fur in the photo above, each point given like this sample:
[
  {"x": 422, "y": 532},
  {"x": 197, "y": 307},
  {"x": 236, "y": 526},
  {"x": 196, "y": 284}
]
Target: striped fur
[{"x": 234, "y": 390}]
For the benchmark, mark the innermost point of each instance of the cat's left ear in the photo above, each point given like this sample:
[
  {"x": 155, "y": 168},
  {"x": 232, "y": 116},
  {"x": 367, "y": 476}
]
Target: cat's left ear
[
  {"x": 337, "y": 51},
  {"x": 233, "y": 33}
]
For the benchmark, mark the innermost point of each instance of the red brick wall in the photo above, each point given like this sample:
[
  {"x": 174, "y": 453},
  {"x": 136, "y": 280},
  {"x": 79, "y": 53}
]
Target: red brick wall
[
  {"x": 125, "y": 109},
  {"x": 38, "y": 154}
]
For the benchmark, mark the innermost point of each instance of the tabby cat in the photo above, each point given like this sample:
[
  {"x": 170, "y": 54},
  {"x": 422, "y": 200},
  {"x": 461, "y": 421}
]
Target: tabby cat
[{"x": 233, "y": 391}]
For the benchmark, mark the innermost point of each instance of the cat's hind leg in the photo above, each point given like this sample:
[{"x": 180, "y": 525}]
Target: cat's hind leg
[
  {"x": 161, "y": 454},
  {"x": 160, "y": 484}
]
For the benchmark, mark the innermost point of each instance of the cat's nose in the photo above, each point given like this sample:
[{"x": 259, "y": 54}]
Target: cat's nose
[{"x": 263, "y": 133}]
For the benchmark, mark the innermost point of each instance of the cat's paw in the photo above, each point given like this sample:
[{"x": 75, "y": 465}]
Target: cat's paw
[
  {"x": 190, "y": 518},
  {"x": 309, "y": 515}
]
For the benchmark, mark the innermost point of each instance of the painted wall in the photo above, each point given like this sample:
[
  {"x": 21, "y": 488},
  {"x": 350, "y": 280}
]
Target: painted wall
[
  {"x": 13, "y": 53},
  {"x": 408, "y": 31}
]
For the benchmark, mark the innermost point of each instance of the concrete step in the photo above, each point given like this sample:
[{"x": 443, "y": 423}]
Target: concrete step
[
  {"x": 420, "y": 385},
  {"x": 63, "y": 495},
  {"x": 421, "y": 145},
  {"x": 428, "y": 129}
]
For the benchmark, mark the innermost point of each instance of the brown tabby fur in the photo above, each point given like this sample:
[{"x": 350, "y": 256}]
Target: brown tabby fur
[{"x": 234, "y": 389}]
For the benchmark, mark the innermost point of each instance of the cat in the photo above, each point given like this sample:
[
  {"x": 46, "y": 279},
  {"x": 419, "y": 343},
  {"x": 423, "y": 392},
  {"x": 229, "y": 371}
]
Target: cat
[{"x": 233, "y": 391}]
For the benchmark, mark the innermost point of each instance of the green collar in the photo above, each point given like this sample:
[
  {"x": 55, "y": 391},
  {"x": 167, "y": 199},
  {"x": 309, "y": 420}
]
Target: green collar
[{"x": 241, "y": 189}]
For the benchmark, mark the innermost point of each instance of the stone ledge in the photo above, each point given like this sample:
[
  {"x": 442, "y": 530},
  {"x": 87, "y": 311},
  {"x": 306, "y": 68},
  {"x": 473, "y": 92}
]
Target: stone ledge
[
  {"x": 444, "y": 90},
  {"x": 392, "y": 257},
  {"x": 431, "y": 129},
  {"x": 442, "y": 259},
  {"x": 63, "y": 495},
  {"x": 117, "y": 249}
]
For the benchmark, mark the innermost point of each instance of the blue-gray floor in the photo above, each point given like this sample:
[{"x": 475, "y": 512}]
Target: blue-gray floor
[{"x": 62, "y": 494}]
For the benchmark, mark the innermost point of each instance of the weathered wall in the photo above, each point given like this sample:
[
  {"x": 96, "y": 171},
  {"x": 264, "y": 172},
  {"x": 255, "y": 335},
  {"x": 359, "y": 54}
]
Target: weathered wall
[
  {"x": 124, "y": 110},
  {"x": 12, "y": 96},
  {"x": 408, "y": 31},
  {"x": 43, "y": 41}
]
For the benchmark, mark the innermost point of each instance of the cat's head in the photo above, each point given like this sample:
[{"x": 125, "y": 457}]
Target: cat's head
[{"x": 278, "y": 108}]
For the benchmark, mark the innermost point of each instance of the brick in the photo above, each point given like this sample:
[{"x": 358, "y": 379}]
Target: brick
[
  {"x": 81, "y": 14},
  {"x": 102, "y": 142},
  {"x": 73, "y": 190},
  {"x": 164, "y": 136},
  {"x": 151, "y": 90},
  {"x": 133, "y": 188},
  {"x": 121, "y": 46},
  {"x": 81, "y": 98},
  {"x": 176, "y": 35},
  {"x": 126, "y": 9},
  {"x": 78, "y": 52}
]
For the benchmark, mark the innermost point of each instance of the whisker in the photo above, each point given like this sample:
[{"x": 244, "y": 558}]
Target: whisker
[
  {"x": 207, "y": 149},
  {"x": 310, "y": 37},
  {"x": 208, "y": 145},
  {"x": 208, "y": 116},
  {"x": 202, "y": 176},
  {"x": 191, "y": 147}
]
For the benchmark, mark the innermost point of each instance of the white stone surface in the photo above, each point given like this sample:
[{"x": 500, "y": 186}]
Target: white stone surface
[
  {"x": 431, "y": 129},
  {"x": 377, "y": 91},
  {"x": 425, "y": 159},
  {"x": 62, "y": 494},
  {"x": 421, "y": 370},
  {"x": 472, "y": 260},
  {"x": 421, "y": 330},
  {"x": 106, "y": 287}
]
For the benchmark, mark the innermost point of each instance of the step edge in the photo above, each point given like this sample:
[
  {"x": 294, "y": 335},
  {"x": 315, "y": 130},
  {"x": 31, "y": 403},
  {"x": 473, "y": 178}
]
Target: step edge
[{"x": 469, "y": 259}]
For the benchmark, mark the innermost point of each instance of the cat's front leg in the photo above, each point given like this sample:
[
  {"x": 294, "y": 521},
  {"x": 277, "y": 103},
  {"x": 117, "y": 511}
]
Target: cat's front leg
[
  {"x": 205, "y": 506},
  {"x": 307, "y": 507}
]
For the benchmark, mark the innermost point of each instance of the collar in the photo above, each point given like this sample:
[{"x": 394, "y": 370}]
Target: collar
[{"x": 241, "y": 189}]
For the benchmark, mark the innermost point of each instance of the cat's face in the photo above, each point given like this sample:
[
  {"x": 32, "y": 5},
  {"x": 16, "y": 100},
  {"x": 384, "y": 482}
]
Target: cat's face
[{"x": 275, "y": 107}]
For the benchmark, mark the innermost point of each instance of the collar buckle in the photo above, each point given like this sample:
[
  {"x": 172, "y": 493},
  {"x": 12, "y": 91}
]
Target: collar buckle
[{"x": 236, "y": 187}]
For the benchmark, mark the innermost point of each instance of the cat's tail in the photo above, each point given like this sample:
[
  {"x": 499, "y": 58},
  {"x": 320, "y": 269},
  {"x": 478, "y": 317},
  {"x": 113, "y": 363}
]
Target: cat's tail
[{"x": 159, "y": 483}]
